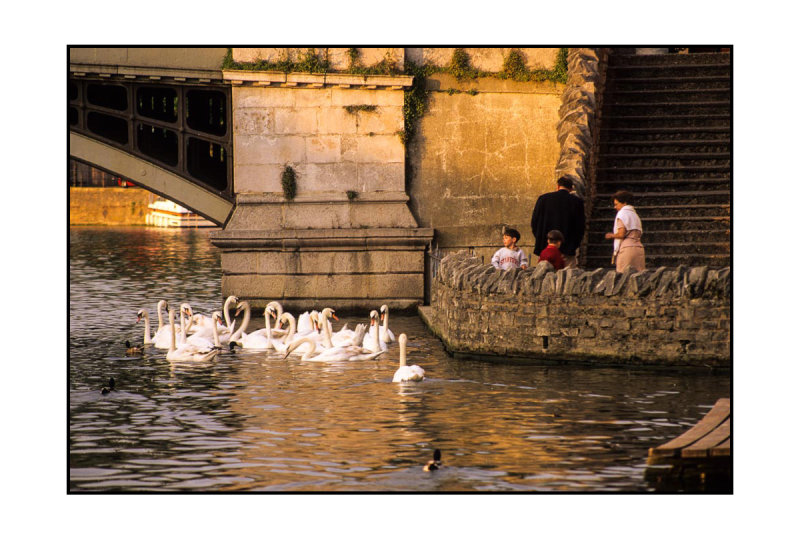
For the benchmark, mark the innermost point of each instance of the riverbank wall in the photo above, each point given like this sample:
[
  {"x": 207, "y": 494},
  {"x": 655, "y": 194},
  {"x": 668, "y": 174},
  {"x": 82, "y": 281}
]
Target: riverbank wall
[
  {"x": 108, "y": 206},
  {"x": 665, "y": 317}
]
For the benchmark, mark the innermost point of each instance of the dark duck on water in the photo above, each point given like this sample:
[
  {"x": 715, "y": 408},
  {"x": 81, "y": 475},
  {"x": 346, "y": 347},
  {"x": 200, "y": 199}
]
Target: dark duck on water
[
  {"x": 435, "y": 463},
  {"x": 110, "y": 386}
]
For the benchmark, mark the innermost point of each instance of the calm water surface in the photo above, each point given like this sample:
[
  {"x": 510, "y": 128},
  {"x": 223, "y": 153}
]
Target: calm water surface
[{"x": 250, "y": 421}]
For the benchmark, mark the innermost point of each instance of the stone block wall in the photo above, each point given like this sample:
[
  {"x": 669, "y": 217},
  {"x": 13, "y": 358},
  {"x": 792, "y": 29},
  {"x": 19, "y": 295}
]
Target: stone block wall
[
  {"x": 108, "y": 206},
  {"x": 667, "y": 317},
  {"x": 485, "y": 150}
]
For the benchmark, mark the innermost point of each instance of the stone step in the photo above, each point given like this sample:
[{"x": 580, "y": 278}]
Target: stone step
[
  {"x": 678, "y": 170},
  {"x": 667, "y": 210},
  {"x": 664, "y": 133},
  {"x": 654, "y": 185},
  {"x": 659, "y": 83},
  {"x": 618, "y": 59},
  {"x": 659, "y": 237},
  {"x": 667, "y": 95},
  {"x": 668, "y": 223},
  {"x": 620, "y": 72},
  {"x": 673, "y": 248},
  {"x": 665, "y": 122},
  {"x": 667, "y": 154},
  {"x": 659, "y": 147},
  {"x": 666, "y": 108},
  {"x": 655, "y": 261},
  {"x": 677, "y": 197}
]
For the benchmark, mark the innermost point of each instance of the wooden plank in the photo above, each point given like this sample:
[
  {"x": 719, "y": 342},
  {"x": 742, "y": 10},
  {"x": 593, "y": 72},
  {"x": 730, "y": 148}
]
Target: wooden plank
[
  {"x": 718, "y": 414},
  {"x": 702, "y": 447}
]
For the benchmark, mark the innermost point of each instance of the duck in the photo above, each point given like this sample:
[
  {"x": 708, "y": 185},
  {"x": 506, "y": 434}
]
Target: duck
[
  {"x": 386, "y": 335},
  {"x": 435, "y": 463},
  {"x": 406, "y": 373},
  {"x": 132, "y": 350},
  {"x": 187, "y": 351},
  {"x": 110, "y": 387}
]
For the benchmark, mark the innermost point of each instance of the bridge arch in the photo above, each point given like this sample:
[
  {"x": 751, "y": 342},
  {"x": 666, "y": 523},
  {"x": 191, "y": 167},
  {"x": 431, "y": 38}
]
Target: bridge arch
[{"x": 151, "y": 177}]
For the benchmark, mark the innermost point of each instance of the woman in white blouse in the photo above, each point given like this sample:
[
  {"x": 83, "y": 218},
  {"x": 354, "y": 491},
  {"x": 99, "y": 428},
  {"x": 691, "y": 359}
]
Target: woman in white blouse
[{"x": 627, "y": 235}]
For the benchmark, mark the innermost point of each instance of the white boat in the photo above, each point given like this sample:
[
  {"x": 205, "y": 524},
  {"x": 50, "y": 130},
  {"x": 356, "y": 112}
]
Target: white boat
[{"x": 164, "y": 213}]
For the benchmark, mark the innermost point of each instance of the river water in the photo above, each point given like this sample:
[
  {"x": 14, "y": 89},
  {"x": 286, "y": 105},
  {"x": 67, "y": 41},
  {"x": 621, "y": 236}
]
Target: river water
[{"x": 251, "y": 421}]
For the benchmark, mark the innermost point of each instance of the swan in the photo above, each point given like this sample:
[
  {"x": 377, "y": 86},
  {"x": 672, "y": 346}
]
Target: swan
[
  {"x": 161, "y": 337},
  {"x": 404, "y": 372},
  {"x": 305, "y": 322},
  {"x": 387, "y": 335},
  {"x": 236, "y": 336},
  {"x": 372, "y": 341},
  {"x": 435, "y": 463},
  {"x": 202, "y": 340},
  {"x": 259, "y": 340},
  {"x": 142, "y": 314},
  {"x": 334, "y": 354},
  {"x": 186, "y": 351},
  {"x": 276, "y": 331},
  {"x": 281, "y": 345}
]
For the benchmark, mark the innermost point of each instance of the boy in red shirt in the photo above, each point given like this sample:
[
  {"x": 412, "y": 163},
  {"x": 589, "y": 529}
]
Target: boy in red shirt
[{"x": 551, "y": 253}]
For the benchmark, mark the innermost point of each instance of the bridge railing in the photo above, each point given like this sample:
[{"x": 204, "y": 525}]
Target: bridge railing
[{"x": 185, "y": 129}]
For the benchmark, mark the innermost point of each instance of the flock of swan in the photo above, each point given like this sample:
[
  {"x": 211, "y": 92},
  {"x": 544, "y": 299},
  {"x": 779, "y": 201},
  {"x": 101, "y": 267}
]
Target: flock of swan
[{"x": 197, "y": 337}]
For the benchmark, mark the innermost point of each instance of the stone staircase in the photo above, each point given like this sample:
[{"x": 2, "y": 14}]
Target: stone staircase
[{"x": 665, "y": 136}]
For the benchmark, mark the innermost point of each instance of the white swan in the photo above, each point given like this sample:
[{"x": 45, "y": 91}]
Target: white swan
[
  {"x": 372, "y": 341},
  {"x": 334, "y": 354},
  {"x": 161, "y": 337},
  {"x": 259, "y": 340},
  {"x": 142, "y": 314},
  {"x": 187, "y": 351},
  {"x": 387, "y": 336},
  {"x": 238, "y": 334},
  {"x": 404, "y": 372},
  {"x": 202, "y": 340},
  {"x": 281, "y": 345}
]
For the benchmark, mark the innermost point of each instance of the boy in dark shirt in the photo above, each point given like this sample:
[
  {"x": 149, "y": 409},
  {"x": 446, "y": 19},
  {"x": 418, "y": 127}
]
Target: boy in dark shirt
[{"x": 551, "y": 253}]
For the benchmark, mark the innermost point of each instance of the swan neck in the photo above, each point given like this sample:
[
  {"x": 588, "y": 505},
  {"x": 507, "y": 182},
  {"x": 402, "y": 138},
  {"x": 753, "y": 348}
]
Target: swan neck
[
  {"x": 402, "y": 354},
  {"x": 147, "y": 328}
]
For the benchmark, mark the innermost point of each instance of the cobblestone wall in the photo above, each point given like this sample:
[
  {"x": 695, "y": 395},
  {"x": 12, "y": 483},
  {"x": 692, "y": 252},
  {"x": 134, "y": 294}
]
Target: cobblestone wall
[{"x": 664, "y": 317}]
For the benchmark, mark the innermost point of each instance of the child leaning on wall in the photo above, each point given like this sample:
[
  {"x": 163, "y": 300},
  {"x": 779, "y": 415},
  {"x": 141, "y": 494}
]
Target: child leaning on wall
[
  {"x": 552, "y": 253},
  {"x": 510, "y": 256}
]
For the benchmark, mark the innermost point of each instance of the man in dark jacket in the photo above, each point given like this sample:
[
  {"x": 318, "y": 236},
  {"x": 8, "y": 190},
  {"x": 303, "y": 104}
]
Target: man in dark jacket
[{"x": 563, "y": 211}]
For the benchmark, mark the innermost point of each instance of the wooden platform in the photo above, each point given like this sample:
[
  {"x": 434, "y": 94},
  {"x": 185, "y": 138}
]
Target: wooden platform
[{"x": 699, "y": 459}]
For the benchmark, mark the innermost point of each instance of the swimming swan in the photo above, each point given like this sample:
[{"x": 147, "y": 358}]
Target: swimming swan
[
  {"x": 142, "y": 314},
  {"x": 334, "y": 354},
  {"x": 187, "y": 351},
  {"x": 373, "y": 341},
  {"x": 406, "y": 373},
  {"x": 387, "y": 336}
]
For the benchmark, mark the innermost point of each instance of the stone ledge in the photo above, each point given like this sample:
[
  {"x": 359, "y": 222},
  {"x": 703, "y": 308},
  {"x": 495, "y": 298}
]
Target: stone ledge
[
  {"x": 267, "y": 78},
  {"x": 333, "y": 238},
  {"x": 148, "y": 73}
]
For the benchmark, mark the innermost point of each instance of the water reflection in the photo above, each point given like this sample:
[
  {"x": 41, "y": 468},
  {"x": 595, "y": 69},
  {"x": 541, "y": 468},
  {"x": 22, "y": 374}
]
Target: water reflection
[{"x": 256, "y": 421}]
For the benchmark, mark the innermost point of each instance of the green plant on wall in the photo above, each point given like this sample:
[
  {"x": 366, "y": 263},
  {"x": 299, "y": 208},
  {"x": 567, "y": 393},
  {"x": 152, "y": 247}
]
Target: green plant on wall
[
  {"x": 460, "y": 67},
  {"x": 289, "y": 183},
  {"x": 352, "y": 195}
]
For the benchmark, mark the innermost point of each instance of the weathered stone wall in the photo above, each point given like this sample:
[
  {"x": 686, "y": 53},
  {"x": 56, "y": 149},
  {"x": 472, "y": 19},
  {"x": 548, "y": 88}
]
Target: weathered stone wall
[
  {"x": 664, "y": 317},
  {"x": 484, "y": 58},
  {"x": 579, "y": 116},
  {"x": 480, "y": 161},
  {"x": 108, "y": 206}
]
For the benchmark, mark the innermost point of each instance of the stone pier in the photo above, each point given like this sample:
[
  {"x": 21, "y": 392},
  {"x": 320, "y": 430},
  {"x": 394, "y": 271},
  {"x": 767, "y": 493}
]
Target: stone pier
[{"x": 341, "y": 234}]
